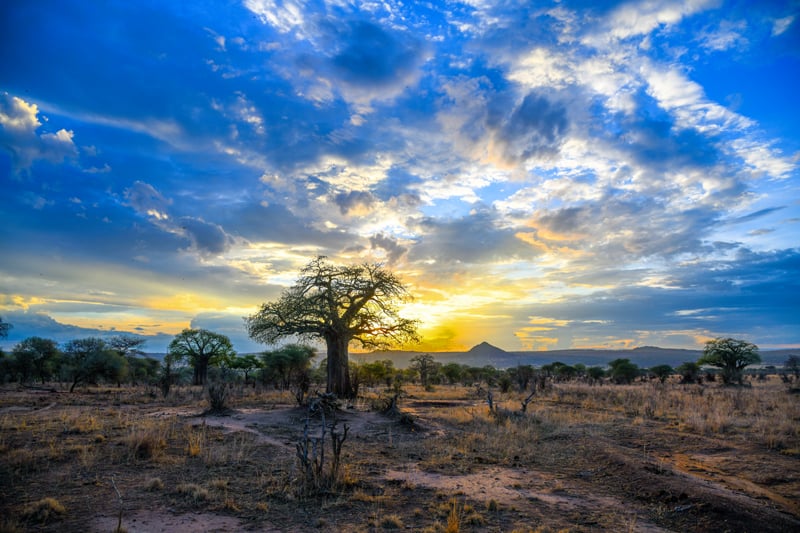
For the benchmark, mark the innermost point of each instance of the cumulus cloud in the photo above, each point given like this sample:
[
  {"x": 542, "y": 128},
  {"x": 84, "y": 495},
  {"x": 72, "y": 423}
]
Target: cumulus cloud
[
  {"x": 206, "y": 238},
  {"x": 19, "y": 122},
  {"x": 477, "y": 238},
  {"x": 535, "y": 129},
  {"x": 356, "y": 203},
  {"x": 146, "y": 200}
]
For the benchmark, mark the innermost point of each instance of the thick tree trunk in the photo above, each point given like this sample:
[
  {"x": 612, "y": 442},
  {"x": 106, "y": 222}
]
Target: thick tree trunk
[
  {"x": 338, "y": 367},
  {"x": 200, "y": 372}
]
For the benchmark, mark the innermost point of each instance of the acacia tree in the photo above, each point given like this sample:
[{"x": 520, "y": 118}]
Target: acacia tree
[
  {"x": 127, "y": 345},
  {"x": 339, "y": 304},
  {"x": 201, "y": 348},
  {"x": 86, "y": 360},
  {"x": 36, "y": 357},
  {"x": 731, "y": 356}
]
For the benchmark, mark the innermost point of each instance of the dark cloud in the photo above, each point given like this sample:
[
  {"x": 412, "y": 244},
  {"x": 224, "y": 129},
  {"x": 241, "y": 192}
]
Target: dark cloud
[
  {"x": 476, "y": 238},
  {"x": 706, "y": 298},
  {"x": 371, "y": 55},
  {"x": 146, "y": 200},
  {"x": 394, "y": 250},
  {"x": 536, "y": 128},
  {"x": 618, "y": 229},
  {"x": 27, "y": 324},
  {"x": 207, "y": 238},
  {"x": 358, "y": 202}
]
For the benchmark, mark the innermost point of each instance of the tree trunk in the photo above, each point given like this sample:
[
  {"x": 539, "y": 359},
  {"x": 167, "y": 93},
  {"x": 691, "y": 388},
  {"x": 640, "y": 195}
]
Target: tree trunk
[
  {"x": 338, "y": 367},
  {"x": 200, "y": 371}
]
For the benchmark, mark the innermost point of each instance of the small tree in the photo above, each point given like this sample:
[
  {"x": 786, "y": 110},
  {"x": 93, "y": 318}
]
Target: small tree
[
  {"x": 731, "y": 356},
  {"x": 662, "y": 372},
  {"x": 623, "y": 371},
  {"x": 246, "y": 364},
  {"x": 452, "y": 372},
  {"x": 201, "y": 348},
  {"x": 36, "y": 358},
  {"x": 792, "y": 365},
  {"x": 595, "y": 374},
  {"x": 4, "y": 327},
  {"x": 689, "y": 371},
  {"x": 89, "y": 359},
  {"x": 290, "y": 366}
]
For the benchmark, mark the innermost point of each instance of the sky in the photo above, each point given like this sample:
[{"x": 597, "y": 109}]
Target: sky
[{"x": 541, "y": 175}]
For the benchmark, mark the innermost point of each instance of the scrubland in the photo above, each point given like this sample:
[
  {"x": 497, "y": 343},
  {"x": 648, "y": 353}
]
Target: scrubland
[{"x": 639, "y": 457}]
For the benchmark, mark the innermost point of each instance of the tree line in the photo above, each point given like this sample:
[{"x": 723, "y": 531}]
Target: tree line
[
  {"x": 340, "y": 306},
  {"x": 196, "y": 354}
]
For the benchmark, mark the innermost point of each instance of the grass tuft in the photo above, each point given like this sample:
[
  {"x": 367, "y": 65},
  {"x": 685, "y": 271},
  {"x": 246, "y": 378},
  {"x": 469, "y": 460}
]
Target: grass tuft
[{"x": 44, "y": 510}]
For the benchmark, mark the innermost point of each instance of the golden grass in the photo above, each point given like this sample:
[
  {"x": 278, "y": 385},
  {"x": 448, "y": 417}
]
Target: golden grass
[
  {"x": 158, "y": 452},
  {"x": 44, "y": 510}
]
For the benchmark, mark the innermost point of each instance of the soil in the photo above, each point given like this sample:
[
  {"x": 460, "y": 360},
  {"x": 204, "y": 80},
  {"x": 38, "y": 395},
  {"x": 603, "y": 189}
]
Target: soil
[{"x": 410, "y": 472}]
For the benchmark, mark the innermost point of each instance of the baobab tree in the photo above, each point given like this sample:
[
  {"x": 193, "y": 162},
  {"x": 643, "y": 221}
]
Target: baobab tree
[
  {"x": 201, "y": 348},
  {"x": 731, "y": 356},
  {"x": 341, "y": 305}
]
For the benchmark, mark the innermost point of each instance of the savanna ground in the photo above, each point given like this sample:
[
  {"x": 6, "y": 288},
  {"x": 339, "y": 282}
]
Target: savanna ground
[{"x": 641, "y": 457}]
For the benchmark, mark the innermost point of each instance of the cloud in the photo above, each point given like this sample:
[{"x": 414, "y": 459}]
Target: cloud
[
  {"x": 146, "y": 200},
  {"x": 30, "y": 324},
  {"x": 20, "y": 121},
  {"x": 535, "y": 129},
  {"x": 513, "y": 160},
  {"x": 477, "y": 238},
  {"x": 206, "y": 238},
  {"x": 391, "y": 246},
  {"x": 633, "y": 19},
  {"x": 356, "y": 203},
  {"x": 779, "y": 26}
]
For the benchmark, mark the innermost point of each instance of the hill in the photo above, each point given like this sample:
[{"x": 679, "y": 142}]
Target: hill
[{"x": 486, "y": 354}]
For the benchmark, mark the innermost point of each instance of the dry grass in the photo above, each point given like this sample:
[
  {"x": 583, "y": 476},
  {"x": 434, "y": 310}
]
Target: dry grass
[
  {"x": 623, "y": 443},
  {"x": 44, "y": 510}
]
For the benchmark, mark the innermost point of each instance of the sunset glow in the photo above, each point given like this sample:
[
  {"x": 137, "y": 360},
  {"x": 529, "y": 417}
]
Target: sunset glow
[{"x": 544, "y": 175}]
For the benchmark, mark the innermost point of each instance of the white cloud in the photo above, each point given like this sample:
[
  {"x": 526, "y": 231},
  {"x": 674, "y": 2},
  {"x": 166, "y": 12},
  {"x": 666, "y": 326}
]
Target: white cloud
[
  {"x": 730, "y": 34},
  {"x": 20, "y": 121},
  {"x": 642, "y": 17},
  {"x": 779, "y": 26},
  {"x": 284, "y": 16}
]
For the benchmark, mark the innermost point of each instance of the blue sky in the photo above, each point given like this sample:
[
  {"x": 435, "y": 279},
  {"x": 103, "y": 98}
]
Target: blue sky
[{"x": 542, "y": 175}]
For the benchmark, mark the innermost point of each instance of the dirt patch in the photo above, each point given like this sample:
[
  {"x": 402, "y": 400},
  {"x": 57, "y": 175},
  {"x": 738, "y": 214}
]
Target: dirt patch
[
  {"x": 162, "y": 521},
  {"x": 582, "y": 462}
]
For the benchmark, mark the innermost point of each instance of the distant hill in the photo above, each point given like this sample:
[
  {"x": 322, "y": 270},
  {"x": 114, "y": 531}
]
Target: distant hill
[
  {"x": 486, "y": 354},
  {"x": 486, "y": 350}
]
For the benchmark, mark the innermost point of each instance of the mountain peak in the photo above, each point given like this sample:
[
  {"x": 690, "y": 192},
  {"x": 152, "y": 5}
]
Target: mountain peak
[{"x": 485, "y": 348}]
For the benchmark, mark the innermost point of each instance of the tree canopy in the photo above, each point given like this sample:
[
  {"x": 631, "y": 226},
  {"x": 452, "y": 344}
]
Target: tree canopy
[
  {"x": 731, "y": 356},
  {"x": 339, "y": 304},
  {"x": 200, "y": 348},
  {"x": 36, "y": 358},
  {"x": 86, "y": 360},
  {"x": 4, "y": 327}
]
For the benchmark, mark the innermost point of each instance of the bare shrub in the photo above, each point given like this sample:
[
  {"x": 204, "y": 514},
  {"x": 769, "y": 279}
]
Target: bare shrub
[
  {"x": 217, "y": 396},
  {"x": 315, "y": 476},
  {"x": 146, "y": 442}
]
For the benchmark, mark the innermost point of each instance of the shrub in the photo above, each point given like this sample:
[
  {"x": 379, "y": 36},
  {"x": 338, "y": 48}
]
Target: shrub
[
  {"x": 217, "y": 395},
  {"x": 44, "y": 509}
]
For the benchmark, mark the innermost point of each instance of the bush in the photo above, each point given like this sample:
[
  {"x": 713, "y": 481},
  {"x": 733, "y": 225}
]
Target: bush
[{"x": 217, "y": 395}]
